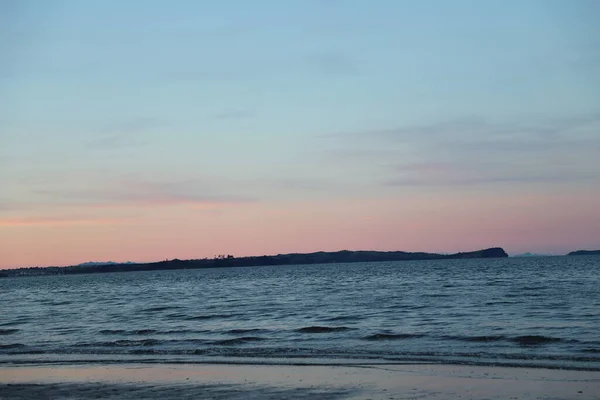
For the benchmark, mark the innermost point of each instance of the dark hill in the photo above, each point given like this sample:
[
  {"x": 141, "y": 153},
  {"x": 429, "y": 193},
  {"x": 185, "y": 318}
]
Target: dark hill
[
  {"x": 321, "y": 257},
  {"x": 584, "y": 253}
]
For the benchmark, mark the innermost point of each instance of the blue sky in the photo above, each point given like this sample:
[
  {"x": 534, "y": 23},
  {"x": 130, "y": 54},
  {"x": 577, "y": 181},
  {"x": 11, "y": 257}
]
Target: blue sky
[{"x": 240, "y": 102}]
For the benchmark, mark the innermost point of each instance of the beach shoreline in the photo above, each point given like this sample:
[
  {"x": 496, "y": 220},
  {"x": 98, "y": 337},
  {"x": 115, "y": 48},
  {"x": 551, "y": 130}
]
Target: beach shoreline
[{"x": 237, "y": 381}]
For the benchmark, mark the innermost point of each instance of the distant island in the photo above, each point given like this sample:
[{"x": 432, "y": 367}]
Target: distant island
[
  {"x": 321, "y": 257},
  {"x": 528, "y": 254},
  {"x": 584, "y": 253},
  {"x": 98, "y": 263}
]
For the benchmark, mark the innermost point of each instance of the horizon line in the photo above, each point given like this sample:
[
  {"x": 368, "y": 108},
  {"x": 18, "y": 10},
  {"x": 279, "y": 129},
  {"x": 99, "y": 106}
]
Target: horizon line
[{"x": 109, "y": 262}]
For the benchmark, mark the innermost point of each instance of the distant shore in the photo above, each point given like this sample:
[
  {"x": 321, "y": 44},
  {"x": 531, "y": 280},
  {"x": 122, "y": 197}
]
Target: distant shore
[
  {"x": 218, "y": 381},
  {"x": 322, "y": 257},
  {"x": 584, "y": 253}
]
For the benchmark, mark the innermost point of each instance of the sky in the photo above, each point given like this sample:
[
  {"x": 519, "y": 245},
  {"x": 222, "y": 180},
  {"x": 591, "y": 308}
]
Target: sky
[{"x": 152, "y": 130}]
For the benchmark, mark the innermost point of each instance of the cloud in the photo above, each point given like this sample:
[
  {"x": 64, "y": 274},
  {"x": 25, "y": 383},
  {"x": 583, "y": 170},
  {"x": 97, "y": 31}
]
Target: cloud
[
  {"x": 466, "y": 174},
  {"x": 476, "y": 127},
  {"x": 333, "y": 63},
  {"x": 304, "y": 185},
  {"x": 131, "y": 193},
  {"x": 116, "y": 142},
  {"x": 6, "y": 205},
  {"x": 132, "y": 125},
  {"x": 248, "y": 68},
  {"x": 125, "y": 133},
  {"x": 474, "y": 151},
  {"x": 49, "y": 221},
  {"x": 111, "y": 203},
  {"x": 230, "y": 115}
]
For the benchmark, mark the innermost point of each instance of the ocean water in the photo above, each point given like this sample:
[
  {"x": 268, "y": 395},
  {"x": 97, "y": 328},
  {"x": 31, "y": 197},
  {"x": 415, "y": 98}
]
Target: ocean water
[{"x": 540, "y": 312}]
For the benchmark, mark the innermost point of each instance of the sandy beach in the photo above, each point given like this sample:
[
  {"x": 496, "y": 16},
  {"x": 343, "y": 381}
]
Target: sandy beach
[{"x": 226, "y": 381}]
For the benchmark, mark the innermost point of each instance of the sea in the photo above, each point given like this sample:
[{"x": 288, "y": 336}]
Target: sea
[{"x": 535, "y": 312}]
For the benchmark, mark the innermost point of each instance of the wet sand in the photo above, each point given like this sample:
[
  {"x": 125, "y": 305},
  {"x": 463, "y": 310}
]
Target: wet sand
[{"x": 226, "y": 381}]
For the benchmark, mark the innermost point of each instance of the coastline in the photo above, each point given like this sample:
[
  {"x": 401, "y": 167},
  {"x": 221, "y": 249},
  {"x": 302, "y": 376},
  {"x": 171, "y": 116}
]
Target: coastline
[
  {"x": 320, "y": 257},
  {"x": 233, "y": 381}
]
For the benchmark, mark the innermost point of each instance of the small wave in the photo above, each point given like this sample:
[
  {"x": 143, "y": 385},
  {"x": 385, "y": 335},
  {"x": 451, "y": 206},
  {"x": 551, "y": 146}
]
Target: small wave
[
  {"x": 523, "y": 294},
  {"x": 242, "y": 331},
  {"x": 59, "y": 303},
  {"x": 341, "y": 318},
  {"x": 237, "y": 352},
  {"x": 8, "y": 331},
  {"x": 144, "y": 331},
  {"x": 240, "y": 340},
  {"x": 392, "y": 336},
  {"x": 485, "y": 338},
  {"x": 121, "y": 343},
  {"x": 204, "y": 317},
  {"x": 179, "y": 331},
  {"x": 26, "y": 352},
  {"x": 11, "y": 323},
  {"x": 112, "y": 331},
  {"x": 535, "y": 288},
  {"x": 144, "y": 351},
  {"x": 323, "y": 329},
  {"x": 65, "y": 331},
  {"x": 17, "y": 321},
  {"x": 499, "y": 303},
  {"x": 591, "y": 350},
  {"x": 176, "y": 315},
  {"x": 416, "y": 307},
  {"x": 142, "y": 342},
  {"x": 532, "y": 340},
  {"x": 12, "y": 346},
  {"x": 160, "y": 308},
  {"x": 125, "y": 332}
]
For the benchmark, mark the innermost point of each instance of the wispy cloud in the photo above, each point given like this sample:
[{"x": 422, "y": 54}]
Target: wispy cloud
[
  {"x": 58, "y": 221},
  {"x": 229, "y": 115},
  {"x": 132, "y": 125},
  {"x": 132, "y": 193},
  {"x": 112, "y": 203},
  {"x": 477, "y": 127},
  {"x": 116, "y": 142},
  {"x": 6, "y": 205},
  {"x": 466, "y": 174},
  {"x": 125, "y": 133},
  {"x": 473, "y": 151},
  {"x": 333, "y": 63}
]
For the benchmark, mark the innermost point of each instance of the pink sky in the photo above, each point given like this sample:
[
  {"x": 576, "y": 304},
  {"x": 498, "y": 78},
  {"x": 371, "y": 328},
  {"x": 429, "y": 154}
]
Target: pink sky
[{"x": 452, "y": 221}]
